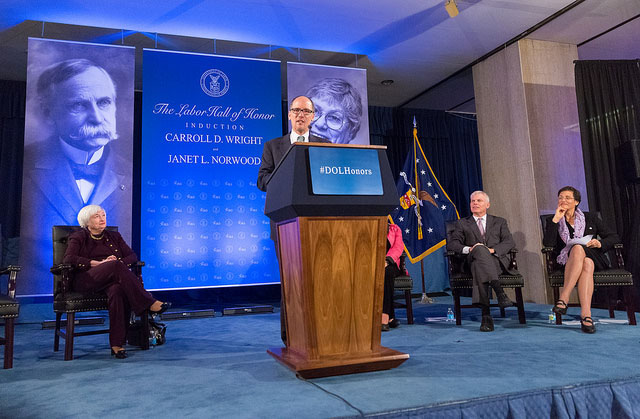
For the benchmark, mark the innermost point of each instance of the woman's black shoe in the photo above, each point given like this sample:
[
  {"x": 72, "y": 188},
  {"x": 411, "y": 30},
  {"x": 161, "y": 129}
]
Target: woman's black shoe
[
  {"x": 558, "y": 309},
  {"x": 164, "y": 307},
  {"x": 385, "y": 328},
  {"x": 121, "y": 354},
  {"x": 587, "y": 325},
  {"x": 394, "y": 323}
]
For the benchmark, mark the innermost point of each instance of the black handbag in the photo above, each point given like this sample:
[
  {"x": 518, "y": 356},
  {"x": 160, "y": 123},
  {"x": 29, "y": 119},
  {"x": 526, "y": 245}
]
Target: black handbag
[{"x": 157, "y": 332}]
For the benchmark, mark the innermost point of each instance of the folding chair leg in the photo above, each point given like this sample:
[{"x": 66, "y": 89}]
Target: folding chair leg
[
  {"x": 68, "y": 341},
  {"x": 409, "y": 304},
  {"x": 56, "y": 337},
  {"x": 8, "y": 343},
  {"x": 628, "y": 300},
  {"x": 520, "y": 304},
  {"x": 456, "y": 307},
  {"x": 502, "y": 312}
]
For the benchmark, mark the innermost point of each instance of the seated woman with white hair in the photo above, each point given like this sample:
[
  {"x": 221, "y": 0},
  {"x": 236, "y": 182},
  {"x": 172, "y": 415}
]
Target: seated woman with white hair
[{"x": 102, "y": 260}]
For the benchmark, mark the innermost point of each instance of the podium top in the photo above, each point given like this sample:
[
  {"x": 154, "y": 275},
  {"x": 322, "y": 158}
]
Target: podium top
[{"x": 317, "y": 179}]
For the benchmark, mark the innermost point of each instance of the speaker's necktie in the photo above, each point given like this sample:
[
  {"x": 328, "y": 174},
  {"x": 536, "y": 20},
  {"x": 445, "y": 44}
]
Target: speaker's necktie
[{"x": 300, "y": 139}]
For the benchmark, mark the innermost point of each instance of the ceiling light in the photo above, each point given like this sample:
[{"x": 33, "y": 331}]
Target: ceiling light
[{"x": 452, "y": 8}]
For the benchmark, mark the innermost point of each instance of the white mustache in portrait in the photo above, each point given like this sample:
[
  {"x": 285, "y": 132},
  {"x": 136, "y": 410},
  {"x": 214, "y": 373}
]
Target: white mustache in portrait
[{"x": 94, "y": 131}]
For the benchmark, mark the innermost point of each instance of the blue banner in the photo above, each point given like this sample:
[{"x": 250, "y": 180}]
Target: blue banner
[{"x": 205, "y": 121}]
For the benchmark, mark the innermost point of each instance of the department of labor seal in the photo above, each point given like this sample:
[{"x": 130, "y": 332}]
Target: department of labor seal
[{"x": 214, "y": 83}]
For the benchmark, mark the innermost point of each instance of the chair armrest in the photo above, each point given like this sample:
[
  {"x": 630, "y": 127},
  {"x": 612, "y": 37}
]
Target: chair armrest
[
  {"x": 12, "y": 270},
  {"x": 61, "y": 268},
  {"x": 454, "y": 262},
  {"x": 617, "y": 249},
  {"x": 64, "y": 270},
  {"x": 550, "y": 263},
  {"x": 136, "y": 267},
  {"x": 9, "y": 269},
  {"x": 513, "y": 264}
]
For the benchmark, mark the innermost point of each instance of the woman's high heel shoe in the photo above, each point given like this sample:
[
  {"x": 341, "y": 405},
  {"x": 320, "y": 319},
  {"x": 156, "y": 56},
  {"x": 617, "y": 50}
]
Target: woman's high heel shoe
[
  {"x": 558, "y": 309},
  {"x": 121, "y": 354},
  {"x": 587, "y": 325}
]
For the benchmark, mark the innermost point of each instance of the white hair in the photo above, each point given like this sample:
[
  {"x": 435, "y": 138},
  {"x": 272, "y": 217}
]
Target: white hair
[
  {"x": 87, "y": 212},
  {"x": 480, "y": 192}
]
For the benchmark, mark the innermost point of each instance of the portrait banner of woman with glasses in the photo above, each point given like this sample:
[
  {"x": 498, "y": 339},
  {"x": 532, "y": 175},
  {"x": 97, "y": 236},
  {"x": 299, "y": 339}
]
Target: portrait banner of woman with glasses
[{"x": 339, "y": 95}]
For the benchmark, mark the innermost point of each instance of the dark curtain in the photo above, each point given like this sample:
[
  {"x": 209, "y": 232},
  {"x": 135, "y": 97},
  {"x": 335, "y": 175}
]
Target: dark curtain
[
  {"x": 449, "y": 141},
  {"x": 12, "y": 104},
  {"x": 609, "y": 110}
]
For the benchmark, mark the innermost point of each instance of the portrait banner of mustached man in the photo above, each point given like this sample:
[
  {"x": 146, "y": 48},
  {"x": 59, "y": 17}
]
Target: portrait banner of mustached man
[
  {"x": 339, "y": 95},
  {"x": 78, "y": 145}
]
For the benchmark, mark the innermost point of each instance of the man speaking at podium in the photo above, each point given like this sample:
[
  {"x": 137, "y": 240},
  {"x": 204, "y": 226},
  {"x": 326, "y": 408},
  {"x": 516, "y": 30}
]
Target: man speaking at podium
[{"x": 301, "y": 112}]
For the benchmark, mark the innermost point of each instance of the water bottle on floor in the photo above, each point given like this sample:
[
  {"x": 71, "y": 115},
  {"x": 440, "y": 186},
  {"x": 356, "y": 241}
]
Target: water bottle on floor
[
  {"x": 450, "y": 316},
  {"x": 552, "y": 317}
]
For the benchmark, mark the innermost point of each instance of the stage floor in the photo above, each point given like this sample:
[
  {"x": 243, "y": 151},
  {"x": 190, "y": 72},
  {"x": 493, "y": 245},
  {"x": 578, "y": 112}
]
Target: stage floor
[{"x": 219, "y": 367}]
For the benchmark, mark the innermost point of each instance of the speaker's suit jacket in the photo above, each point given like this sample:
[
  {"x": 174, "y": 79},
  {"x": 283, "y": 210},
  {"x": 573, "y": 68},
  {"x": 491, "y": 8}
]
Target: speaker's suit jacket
[
  {"x": 274, "y": 150},
  {"x": 497, "y": 237},
  {"x": 50, "y": 196}
]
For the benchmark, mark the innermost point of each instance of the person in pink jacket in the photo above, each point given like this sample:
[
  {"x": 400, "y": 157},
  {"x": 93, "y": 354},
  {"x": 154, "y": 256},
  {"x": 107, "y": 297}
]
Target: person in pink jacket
[{"x": 395, "y": 247}]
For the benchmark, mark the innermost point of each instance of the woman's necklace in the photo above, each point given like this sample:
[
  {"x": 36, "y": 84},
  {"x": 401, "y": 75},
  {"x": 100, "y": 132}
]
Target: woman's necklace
[{"x": 98, "y": 237}]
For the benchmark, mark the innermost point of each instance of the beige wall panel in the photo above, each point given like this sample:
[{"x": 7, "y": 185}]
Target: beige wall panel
[
  {"x": 548, "y": 75},
  {"x": 507, "y": 162}
]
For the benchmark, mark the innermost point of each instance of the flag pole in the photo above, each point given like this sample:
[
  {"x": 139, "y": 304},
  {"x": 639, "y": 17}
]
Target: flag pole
[{"x": 425, "y": 298}]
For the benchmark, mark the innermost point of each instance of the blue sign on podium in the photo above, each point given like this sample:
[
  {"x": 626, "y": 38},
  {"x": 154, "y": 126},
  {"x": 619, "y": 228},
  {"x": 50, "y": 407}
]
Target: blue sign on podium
[{"x": 344, "y": 171}]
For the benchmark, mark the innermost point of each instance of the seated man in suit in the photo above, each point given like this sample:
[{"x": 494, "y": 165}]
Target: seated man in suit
[
  {"x": 486, "y": 240},
  {"x": 301, "y": 112}
]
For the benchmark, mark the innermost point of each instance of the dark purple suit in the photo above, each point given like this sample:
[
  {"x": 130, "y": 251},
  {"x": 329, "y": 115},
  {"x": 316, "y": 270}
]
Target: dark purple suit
[{"x": 124, "y": 289}]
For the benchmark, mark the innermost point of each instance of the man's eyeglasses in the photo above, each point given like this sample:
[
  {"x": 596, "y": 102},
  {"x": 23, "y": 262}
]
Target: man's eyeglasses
[
  {"x": 334, "y": 120},
  {"x": 300, "y": 110}
]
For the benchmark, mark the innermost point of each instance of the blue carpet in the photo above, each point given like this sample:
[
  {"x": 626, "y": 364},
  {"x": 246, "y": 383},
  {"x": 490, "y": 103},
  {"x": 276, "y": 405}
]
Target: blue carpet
[{"x": 217, "y": 367}]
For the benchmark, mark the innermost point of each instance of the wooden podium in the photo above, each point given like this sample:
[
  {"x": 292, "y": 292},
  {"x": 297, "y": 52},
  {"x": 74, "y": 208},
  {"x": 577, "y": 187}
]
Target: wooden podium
[{"x": 332, "y": 249}]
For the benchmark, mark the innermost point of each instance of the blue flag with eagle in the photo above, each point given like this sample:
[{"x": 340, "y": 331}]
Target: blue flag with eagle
[{"x": 424, "y": 205}]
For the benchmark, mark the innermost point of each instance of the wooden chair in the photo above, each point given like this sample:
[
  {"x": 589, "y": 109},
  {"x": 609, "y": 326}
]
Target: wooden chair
[
  {"x": 404, "y": 284},
  {"x": 66, "y": 301},
  {"x": 9, "y": 310},
  {"x": 461, "y": 279},
  {"x": 617, "y": 276}
]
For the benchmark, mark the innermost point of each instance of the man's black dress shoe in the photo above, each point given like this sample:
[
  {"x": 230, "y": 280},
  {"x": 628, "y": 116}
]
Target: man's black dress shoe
[
  {"x": 164, "y": 307},
  {"x": 394, "y": 323},
  {"x": 487, "y": 324},
  {"x": 385, "y": 328},
  {"x": 121, "y": 354},
  {"x": 504, "y": 301},
  {"x": 587, "y": 325}
]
